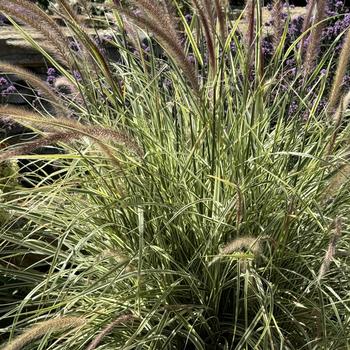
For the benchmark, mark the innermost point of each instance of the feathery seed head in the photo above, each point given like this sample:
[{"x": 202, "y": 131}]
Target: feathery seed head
[
  {"x": 98, "y": 134},
  {"x": 36, "y": 83},
  {"x": 36, "y": 18},
  {"x": 331, "y": 250},
  {"x": 249, "y": 243},
  {"x": 40, "y": 329},
  {"x": 105, "y": 331},
  {"x": 340, "y": 73},
  {"x": 171, "y": 43}
]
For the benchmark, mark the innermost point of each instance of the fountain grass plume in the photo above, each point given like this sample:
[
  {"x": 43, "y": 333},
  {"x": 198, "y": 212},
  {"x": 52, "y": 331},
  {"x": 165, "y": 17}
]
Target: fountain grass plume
[
  {"x": 220, "y": 10},
  {"x": 307, "y": 22},
  {"x": 338, "y": 117},
  {"x": 278, "y": 24},
  {"x": 131, "y": 32},
  {"x": 250, "y": 18},
  {"x": 65, "y": 137},
  {"x": 209, "y": 30},
  {"x": 315, "y": 37},
  {"x": 344, "y": 103},
  {"x": 157, "y": 12},
  {"x": 28, "y": 147},
  {"x": 105, "y": 331},
  {"x": 341, "y": 177},
  {"x": 340, "y": 73},
  {"x": 118, "y": 258},
  {"x": 170, "y": 14},
  {"x": 331, "y": 250},
  {"x": 55, "y": 38},
  {"x": 96, "y": 133},
  {"x": 36, "y": 18},
  {"x": 250, "y": 243},
  {"x": 38, "y": 84},
  {"x": 69, "y": 88},
  {"x": 170, "y": 44},
  {"x": 42, "y": 328},
  {"x": 207, "y": 5},
  {"x": 68, "y": 11}
]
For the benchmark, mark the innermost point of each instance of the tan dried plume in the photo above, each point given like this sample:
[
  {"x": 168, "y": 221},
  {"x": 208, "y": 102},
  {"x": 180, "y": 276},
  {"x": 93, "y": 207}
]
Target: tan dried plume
[
  {"x": 131, "y": 32},
  {"x": 73, "y": 92},
  {"x": 344, "y": 103},
  {"x": 42, "y": 328},
  {"x": 250, "y": 243},
  {"x": 118, "y": 258},
  {"x": 341, "y": 177}
]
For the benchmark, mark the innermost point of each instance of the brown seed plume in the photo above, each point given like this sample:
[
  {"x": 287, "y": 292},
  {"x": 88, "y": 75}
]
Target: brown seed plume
[
  {"x": 170, "y": 43},
  {"x": 36, "y": 18},
  {"x": 315, "y": 37},
  {"x": 307, "y": 22},
  {"x": 61, "y": 125},
  {"x": 208, "y": 28},
  {"x": 105, "y": 331},
  {"x": 250, "y": 18},
  {"x": 221, "y": 16},
  {"x": 278, "y": 24},
  {"x": 68, "y": 11}
]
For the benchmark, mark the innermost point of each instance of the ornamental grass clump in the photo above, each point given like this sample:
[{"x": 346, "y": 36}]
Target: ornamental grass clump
[{"x": 189, "y": 204}]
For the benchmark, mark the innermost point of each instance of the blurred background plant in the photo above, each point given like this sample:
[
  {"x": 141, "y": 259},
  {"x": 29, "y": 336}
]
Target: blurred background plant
[{"x": 198, "y": 197}]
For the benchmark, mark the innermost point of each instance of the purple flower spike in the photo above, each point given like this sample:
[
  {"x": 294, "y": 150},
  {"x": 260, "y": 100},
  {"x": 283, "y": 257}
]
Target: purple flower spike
[
  {"x": 50, "y": 79},
  {"x": 191, "y": 58},
  {"x": 3, "y": 82},
  {"x": 77, "y": 75},
  {"x": 188, "y": 18},
  {"x": 51, "y": 71},
  {"x": 10, "y": 90}
]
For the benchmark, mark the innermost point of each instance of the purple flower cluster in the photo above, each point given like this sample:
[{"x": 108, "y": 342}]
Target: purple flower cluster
[
  {"x": 188, "y": 18},
  {"x": 337, "y": 23},
  {"x": 295, "y": 28},
  {"x": 6, "y": 87},
  {"x": 267, "y": 47},
  {"x": 74, "y": 45},
  {"x": 77, "y": 75},
  {"x": 51, "y": 76},
  {"x": 335, "y": 26}
]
